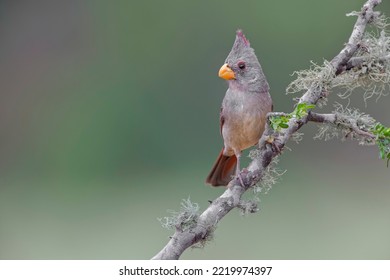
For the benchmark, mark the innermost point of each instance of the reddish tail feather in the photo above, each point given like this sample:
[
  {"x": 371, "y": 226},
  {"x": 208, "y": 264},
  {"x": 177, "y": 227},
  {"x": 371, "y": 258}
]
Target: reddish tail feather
[{"x": 222, "y": 171}]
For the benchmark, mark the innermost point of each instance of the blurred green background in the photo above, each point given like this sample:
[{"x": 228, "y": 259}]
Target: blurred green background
[{"x": 109, "y": 117}]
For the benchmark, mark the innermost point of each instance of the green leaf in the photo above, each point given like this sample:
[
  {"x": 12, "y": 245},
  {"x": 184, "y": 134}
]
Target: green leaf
[
  {"x": 382, "y": 138},
  {"x": 301, "y": 110},
  {"x": 283, "y": 125},
  {"x": 281, "y": 122}
]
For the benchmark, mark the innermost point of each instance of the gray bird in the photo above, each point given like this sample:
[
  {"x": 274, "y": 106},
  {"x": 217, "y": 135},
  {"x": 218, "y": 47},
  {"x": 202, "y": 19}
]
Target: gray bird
[{"x": 244, "y": 108}]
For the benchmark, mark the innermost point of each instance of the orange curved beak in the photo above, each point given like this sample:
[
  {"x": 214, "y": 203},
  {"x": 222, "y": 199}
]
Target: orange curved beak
[{"x": 226, "y": 72}]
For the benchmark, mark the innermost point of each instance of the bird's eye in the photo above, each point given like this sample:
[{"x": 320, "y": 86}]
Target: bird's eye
[{"x": 241, "y": 65}]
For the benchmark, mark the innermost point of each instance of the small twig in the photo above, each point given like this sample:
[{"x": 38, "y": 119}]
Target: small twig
[
  {"x": 334, "y": 119},
  {"x": 359, "y": 61}
]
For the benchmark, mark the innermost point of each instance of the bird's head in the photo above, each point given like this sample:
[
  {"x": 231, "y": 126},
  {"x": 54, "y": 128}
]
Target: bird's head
[{"x": 242, "y": 68}]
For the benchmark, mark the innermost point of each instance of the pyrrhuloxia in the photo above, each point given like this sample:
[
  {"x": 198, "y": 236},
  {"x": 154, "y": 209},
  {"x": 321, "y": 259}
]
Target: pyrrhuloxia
[{"x": 244, "y": 109}]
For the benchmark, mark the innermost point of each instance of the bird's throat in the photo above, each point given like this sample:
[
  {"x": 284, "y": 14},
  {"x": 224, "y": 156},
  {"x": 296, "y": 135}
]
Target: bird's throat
[{"x": 237, "y": 86}]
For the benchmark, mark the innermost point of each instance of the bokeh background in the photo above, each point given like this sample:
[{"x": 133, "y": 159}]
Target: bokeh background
[{"x": 109, "y": 117}]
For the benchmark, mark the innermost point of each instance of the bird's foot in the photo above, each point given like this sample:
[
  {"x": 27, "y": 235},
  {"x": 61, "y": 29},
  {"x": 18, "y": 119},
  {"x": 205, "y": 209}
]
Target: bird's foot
[
  {"x": 274, "y": 143},
  {"x": 240, "y": 177},
  {"x": 241, "y": 180}
]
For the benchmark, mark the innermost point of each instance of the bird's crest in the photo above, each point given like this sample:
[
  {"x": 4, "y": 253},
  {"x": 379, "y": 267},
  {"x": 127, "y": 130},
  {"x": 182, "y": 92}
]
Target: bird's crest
[{"x": 241, "y": 40}]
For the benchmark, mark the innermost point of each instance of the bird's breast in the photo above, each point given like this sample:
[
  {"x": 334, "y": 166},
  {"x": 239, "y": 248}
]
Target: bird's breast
[{"x": 244, "y": 119}]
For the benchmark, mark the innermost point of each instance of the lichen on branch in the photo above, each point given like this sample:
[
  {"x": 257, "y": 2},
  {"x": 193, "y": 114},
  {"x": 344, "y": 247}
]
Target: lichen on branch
[
  {"x": 368, "y": 68},
  {"x": 184, "y": 219}
]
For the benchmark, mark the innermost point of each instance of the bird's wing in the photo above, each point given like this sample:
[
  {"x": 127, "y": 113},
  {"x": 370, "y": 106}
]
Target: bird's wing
[{"x": 221, "y": 119}]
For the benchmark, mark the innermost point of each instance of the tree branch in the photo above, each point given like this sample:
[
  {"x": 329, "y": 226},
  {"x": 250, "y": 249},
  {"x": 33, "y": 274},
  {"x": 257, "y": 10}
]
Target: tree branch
[
  {"x": 270, "y": 145},
  {"x": 359, "y": 61},
  {"x": 367, "y": 15},
  {"x": 338, "y": 119}
]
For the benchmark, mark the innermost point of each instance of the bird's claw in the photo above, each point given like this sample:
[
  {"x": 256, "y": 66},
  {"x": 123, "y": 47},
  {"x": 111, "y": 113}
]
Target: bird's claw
[
  {"x": 241, "y": 180},
  {"x": 239, "y": 176},
  {"x": 274, "y": 143}
]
